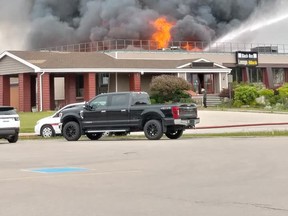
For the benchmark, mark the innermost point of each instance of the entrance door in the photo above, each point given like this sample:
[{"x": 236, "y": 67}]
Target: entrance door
[
  {"x": 205, "y": 81},
  {"x": 209, "y": 83}
]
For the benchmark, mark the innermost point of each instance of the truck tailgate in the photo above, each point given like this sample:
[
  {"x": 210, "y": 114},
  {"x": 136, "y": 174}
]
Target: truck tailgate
[{"x": 188, "y": 111}]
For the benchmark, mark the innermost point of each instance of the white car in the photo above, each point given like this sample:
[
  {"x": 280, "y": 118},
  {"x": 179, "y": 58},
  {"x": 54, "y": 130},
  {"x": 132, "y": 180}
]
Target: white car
[
  {"x": 49, "y": 126},
  {"x": 9, "y": 124}
]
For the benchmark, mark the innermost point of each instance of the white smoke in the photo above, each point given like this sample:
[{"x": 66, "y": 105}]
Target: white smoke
[{"x": 266, "y": 26}]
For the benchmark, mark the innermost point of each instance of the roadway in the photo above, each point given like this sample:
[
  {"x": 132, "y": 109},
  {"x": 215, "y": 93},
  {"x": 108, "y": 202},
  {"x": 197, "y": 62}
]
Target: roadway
[{"x": 196, "y": 176}]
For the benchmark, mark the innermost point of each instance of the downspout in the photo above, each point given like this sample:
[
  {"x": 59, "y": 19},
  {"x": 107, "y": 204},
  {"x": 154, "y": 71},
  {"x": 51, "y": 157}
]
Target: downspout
[
  {"x": 116, "y": 82},
  {"x": 41, "y": 91}
]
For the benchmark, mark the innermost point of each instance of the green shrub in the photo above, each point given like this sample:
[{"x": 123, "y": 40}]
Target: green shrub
[
  {"x": 283, "y": 91},
  {"x": 245, "y": 95},
  {"x": 283, "y": 95},
  {"x": 170, "y": 89}
]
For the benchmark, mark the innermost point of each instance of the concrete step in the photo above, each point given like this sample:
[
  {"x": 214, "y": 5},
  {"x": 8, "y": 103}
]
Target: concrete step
[{"x": 212, "y": 100}]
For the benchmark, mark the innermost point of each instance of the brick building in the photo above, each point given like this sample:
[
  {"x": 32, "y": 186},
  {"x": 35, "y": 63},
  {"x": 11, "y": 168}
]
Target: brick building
[
  {"x": 82, "y": 75},
  {"x": 49, "y": 79}
]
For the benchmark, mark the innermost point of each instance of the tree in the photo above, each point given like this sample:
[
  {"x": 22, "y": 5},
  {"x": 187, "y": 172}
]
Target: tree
[{"x": 169, "y": 88}]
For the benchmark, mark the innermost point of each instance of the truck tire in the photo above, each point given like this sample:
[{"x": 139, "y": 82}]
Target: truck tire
[
  {"x": 94, "y": 136},
  {"x": 153, "y": 130},
  {"x": 174, "y": 134},
  {"x": 71, "y": 131}
]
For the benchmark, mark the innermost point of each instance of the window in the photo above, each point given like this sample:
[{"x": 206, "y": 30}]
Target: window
[
  {"x": 99, "y": 102},
  {"x": 255, "y": 75},
  {"x": 140, "y": 99},
  {"x": 79, "y": 86},
  {"x": 103, "y": 83},
  {"x": 237, "y": 74},
  {"x": 278, "y": 76},
  {"x": 120, "y": 100}
]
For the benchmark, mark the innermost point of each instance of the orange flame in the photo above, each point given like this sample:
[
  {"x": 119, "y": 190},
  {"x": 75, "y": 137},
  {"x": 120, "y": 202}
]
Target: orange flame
[
  {"x": 190, "y": 47},
  {"x": 162, "y": 35}
]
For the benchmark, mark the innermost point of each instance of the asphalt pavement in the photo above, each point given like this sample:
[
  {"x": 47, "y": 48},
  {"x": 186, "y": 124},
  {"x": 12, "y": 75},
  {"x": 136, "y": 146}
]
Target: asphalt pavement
[{"x": 220, "y": 176}]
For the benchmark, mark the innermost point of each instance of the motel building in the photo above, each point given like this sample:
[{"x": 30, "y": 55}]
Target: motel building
[{"x": 49, "y": 79}]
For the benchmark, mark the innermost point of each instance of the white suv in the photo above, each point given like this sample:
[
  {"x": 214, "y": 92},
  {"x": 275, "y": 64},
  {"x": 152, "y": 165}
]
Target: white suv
[{"x": 9, "y": 124}]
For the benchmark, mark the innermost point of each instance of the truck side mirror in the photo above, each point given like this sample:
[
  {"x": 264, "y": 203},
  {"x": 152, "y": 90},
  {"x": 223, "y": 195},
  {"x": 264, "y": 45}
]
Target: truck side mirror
[{"x": 87, "y": 106}]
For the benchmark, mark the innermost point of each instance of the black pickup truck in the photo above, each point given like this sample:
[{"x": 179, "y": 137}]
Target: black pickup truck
[{"x": 125, "y": 112}]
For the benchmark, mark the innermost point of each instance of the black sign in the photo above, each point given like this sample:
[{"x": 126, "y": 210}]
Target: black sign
[{"x": 247, "y": 59}]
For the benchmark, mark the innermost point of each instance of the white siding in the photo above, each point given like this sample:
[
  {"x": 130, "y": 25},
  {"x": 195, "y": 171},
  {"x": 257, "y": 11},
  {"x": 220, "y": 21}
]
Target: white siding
[{"x": 11, "y": 66}]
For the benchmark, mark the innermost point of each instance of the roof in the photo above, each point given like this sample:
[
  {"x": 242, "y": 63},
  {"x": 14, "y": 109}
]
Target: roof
[{"x": 91, "y": 60}]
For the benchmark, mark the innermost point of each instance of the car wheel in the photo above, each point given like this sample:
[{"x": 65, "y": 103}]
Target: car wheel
[
  {"x": 153, "y": 130},
  {"x": 94, "y": 136},
  {"x": 71, "y": 131},
  {"x": 13, "y": 139},
  {"x": 47, "y": 131},
  {"x": 174, "y": 134}
]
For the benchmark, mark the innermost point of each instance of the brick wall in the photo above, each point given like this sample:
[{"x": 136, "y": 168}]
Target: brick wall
[
  {"x": 4, "y": 90},
  {"x": 70, "y": 88},
  {"x": 135, "y": 82},
  {"x": 46, "y": 98},
  {"x": 89, "y": 86},
  {"x": 24, "y": 92}
]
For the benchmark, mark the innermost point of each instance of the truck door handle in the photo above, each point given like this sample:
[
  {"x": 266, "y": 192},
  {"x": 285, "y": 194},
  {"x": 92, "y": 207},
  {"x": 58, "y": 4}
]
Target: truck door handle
[
  {"x": 123, "y": 110},
  {"x": 103, "y": 111}
]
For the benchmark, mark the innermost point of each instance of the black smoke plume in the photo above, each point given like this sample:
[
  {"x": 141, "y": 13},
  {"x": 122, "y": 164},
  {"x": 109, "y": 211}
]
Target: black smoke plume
[{"x": 34, "y": 24}]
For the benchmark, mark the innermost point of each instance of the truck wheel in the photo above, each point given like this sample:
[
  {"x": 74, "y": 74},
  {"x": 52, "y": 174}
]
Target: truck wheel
[
  {"x": 174, "y": 134},
  {"x": 153, "y": 130},
  {"x": 71, "y": 131},
  {"x": 94, "y": 136}
]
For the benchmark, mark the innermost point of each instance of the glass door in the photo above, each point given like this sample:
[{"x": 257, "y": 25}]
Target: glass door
[{"x": 209, "y": 83}]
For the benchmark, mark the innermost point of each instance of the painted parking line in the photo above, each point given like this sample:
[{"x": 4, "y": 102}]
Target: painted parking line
[{"x": 57, "y": 170}]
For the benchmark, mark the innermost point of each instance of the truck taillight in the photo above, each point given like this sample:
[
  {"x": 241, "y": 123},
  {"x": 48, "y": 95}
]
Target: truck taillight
[{"x": 176, "y": 112}]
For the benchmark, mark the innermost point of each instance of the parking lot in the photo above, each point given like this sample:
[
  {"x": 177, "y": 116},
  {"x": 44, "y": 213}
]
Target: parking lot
[{"x": 195, "y": 176}]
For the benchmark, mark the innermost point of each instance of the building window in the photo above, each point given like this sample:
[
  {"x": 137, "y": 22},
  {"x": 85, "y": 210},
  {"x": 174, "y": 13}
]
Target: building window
[
  {"x": 255, "y": 75},
  {"x": 79, "y": 86},
  {"x": 278, "y": 76},
  {"x": 237, "y": 74},
  {"x": 103, "y": 83}
]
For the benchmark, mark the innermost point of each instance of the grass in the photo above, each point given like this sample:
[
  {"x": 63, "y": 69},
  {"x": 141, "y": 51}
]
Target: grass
[{"x": 28, "y": 120}]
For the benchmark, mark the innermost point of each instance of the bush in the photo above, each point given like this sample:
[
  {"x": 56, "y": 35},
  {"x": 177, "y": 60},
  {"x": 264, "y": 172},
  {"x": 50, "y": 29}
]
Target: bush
[
  {"x": 245, "y": 95},
  {"x": 169, "y": 89},
  {"x": 283, "y": 95},
  {"x": 269, "y": 95}
]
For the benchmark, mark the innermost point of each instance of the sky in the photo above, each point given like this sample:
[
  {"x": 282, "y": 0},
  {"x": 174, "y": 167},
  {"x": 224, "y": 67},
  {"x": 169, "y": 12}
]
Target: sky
[{"x": 35, "y": 24}]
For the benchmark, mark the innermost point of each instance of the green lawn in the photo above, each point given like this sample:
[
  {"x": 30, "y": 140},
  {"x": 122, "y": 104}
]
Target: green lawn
[{"x": 28, "y": 120}]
